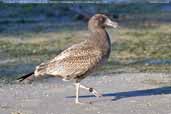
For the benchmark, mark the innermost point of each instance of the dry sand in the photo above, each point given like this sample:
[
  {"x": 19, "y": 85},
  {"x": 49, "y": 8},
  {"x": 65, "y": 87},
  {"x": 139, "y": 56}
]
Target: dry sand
[{"x": 127, "y": 93}]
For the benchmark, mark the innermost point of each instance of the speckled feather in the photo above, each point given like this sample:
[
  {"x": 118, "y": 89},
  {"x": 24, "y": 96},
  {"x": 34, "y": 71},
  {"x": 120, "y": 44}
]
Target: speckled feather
[{"x": 73, "y": 62}]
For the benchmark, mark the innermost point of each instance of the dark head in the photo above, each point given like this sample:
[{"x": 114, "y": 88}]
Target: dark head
[{"x": 101, "y": 21}]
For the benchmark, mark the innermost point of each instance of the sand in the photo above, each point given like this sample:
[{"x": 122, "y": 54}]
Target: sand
[{"x": 125, "y": 93}]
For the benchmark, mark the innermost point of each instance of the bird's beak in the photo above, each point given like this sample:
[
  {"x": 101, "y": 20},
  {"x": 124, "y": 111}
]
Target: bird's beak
[{"x": 110, "y": 23}]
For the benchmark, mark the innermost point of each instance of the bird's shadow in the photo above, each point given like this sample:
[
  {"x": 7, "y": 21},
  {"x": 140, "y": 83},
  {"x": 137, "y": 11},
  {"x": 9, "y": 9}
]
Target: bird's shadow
[{"x": 135, "y": 93}]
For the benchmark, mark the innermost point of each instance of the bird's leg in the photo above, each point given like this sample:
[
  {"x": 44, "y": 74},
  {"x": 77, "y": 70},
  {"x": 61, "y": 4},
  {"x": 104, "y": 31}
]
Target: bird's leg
[
  {"x": 92, "y": 90},
  {"x": 77, "y": 86}
]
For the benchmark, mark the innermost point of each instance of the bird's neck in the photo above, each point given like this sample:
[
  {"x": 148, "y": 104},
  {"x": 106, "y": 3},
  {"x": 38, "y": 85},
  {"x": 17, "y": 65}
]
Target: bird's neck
[{"x": 100, "y": 39}]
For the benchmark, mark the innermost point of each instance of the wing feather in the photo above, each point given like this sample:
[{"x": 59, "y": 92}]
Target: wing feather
[{"x": 73, "y": 62}]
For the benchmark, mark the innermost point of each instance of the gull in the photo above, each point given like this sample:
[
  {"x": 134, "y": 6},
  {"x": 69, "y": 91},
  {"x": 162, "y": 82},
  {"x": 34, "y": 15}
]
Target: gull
[{"x": 78, "y": 61}]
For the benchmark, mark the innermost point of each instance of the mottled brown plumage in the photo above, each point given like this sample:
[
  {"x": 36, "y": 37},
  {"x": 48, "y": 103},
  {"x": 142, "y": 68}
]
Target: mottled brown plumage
[
  {"x": 76, "y": 62},
  {"x": 72, "y": 63}
]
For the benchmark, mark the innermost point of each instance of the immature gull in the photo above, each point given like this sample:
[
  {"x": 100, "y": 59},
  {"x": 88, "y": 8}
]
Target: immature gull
[{"x": 79, "y": 60}]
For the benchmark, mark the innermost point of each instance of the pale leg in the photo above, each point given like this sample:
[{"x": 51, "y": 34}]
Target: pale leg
[
  {"x": 77, "y": 86},
  {"x": 92, "y": 90}
]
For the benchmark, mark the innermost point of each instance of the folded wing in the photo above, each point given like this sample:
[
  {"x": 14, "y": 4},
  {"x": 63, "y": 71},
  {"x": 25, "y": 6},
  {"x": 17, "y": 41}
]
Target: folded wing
[{"x": 72, "y": 63}]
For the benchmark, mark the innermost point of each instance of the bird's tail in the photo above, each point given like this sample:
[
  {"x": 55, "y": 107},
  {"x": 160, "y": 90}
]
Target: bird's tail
[{"x": 26, "y": 77}]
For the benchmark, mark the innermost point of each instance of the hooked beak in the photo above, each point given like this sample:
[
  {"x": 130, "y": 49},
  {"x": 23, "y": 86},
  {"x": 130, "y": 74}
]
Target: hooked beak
[{"x": 110, "y": 23}]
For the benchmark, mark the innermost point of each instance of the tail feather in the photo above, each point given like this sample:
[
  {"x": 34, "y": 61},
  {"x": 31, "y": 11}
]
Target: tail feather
[
  {"x": 27, "y": 76},
  {"x": 41, "y": 69}
]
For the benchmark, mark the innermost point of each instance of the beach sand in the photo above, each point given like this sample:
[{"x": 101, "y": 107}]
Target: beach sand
[{"x": 124, "y": 93}]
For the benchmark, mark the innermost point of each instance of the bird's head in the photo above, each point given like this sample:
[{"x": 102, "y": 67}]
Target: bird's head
[{"x": 101, "y": 21}]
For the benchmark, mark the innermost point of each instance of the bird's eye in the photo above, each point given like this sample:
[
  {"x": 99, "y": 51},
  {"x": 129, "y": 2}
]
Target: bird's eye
[{"x": 101, "y": 19}]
